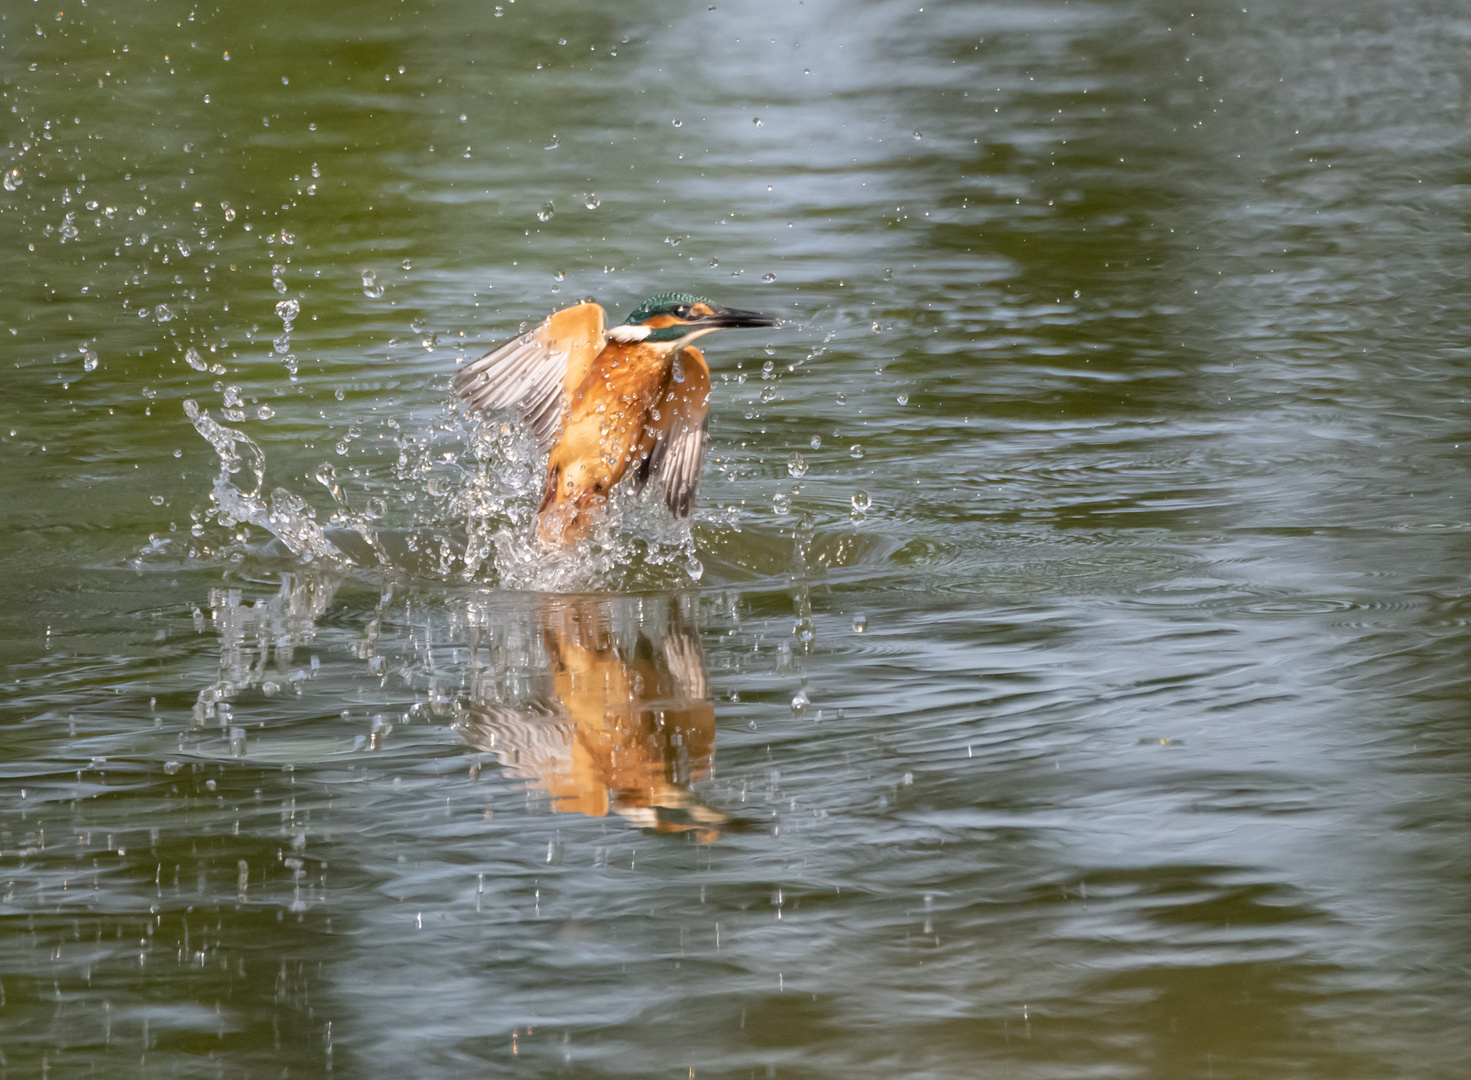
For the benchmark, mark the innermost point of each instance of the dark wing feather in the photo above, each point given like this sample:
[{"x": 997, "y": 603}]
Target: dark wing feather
[
  {"x": 678, "y": 457},
  {"x": 536, "y": 373}
]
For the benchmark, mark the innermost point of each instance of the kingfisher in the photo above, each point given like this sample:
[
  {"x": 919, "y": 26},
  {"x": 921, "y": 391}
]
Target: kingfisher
[{"x": 603, "y": 400}]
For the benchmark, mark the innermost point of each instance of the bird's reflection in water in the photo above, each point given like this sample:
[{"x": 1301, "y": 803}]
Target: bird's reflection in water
[
  {"x": 601, "y": 701},
  {"x": 624, "y": 723}
]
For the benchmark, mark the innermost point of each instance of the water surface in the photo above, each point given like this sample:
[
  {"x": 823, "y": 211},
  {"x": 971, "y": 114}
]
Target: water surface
[{"x": 1064, "y": 672}]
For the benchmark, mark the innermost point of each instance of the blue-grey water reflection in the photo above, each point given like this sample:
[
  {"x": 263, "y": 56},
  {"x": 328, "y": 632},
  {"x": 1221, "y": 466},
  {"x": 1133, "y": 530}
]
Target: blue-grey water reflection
[{"x": 1064, "y": 674}]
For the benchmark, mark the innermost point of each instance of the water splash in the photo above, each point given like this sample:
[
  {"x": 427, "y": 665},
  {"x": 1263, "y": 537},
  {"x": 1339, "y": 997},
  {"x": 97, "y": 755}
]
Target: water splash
[
  {"x": 460, "y": 504},
  {"x": 285, "y": 515}
]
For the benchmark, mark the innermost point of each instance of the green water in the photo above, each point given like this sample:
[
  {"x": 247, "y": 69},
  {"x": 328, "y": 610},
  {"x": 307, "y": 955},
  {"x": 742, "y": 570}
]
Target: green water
[{"x": 1087, "y": 697}]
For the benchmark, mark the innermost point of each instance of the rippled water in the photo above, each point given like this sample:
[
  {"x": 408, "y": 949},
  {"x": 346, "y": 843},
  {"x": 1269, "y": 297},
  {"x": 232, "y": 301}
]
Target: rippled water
[{"x": 1064, "y": 674}]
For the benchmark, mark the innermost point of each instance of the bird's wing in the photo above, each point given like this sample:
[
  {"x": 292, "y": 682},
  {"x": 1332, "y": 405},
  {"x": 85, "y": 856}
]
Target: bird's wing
[
  {"x": 537, "y": 373},
  {"x": 678, "y": 457}
]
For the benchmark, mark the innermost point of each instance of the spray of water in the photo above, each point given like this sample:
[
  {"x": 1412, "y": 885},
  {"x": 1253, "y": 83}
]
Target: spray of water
[{"x": 459, "y": 503}]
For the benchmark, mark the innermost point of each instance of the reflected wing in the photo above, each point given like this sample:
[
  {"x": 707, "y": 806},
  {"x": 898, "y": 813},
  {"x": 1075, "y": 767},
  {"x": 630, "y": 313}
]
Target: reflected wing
[
  {"x": 537, "y": 372},
  {"x": 678, "y": 456},
  {"x": 689, "y": 680},
  {"x": 530, "y": 740}
]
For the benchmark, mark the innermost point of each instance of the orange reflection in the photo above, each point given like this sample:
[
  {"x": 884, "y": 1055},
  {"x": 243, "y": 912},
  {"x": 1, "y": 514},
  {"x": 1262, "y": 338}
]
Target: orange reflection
[{"x": 626, "y": 723}]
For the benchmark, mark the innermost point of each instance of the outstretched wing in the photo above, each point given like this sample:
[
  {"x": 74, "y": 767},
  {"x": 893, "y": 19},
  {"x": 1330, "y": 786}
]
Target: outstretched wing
[
  {"x": 536, "y": 373},
  {"x": 678, "y": 456}
]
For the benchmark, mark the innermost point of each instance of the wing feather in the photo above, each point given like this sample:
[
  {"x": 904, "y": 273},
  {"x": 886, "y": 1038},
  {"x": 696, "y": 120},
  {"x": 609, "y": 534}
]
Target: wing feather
[
  {"x": 535, "y": 374},
  {"x": 678, "y": 457}
]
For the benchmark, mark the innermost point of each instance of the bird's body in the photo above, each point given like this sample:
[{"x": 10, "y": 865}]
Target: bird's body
[{"x": 602, "y": 402}]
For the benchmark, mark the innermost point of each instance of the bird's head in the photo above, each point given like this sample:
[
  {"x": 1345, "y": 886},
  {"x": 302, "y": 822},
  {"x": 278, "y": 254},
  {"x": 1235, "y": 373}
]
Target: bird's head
[{"x": 678, "y": 318}]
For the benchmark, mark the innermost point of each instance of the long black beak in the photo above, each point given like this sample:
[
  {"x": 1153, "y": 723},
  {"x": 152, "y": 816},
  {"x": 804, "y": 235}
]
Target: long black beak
[{"x": 734, "y": 318}]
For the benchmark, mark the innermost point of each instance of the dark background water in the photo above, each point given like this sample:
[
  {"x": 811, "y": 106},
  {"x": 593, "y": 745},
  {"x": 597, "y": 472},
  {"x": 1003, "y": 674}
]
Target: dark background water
[{"x": 1106, "y": 717}]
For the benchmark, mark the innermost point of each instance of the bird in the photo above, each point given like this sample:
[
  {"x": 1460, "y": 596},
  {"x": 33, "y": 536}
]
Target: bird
[{"x": 603, "y": 400}]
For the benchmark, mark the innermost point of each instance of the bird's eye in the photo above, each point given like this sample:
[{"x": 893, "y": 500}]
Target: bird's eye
[{"x": 682, "y": 311}]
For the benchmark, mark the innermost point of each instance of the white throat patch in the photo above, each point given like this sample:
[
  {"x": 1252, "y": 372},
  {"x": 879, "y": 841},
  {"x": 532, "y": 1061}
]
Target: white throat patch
[{"x": 628, "y": 333}]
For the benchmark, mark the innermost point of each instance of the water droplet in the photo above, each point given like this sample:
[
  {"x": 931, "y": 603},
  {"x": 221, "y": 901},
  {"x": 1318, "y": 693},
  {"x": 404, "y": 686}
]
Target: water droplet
[
  {"x": 678, "y": 122},
  {"x": 815, "y": 442},
  {"x": 287, "y": 310},
  {"x": 902, "y": 399},
  {"x": 194, "y": 360},
  {"x": 768, "y": 393},
  {"x": 156, "y": 500},
  {"x": 781, "y": 502},
  {"x": 546, "y": 211},
  {"x": 371, "y": 288},
  {"x": 229, "y": 214},
  {"x": 796, "y": 465},
  {"x": 559, "y": 275},
  {"x": 183, "y": 249},
  {"x": 919, "y": 135},
  {"x": 162, "y": 313},
  {"x": 265, "y": 412},
  {"x": 13, "y": 179},
  {"x": 862, "y": 501},
  {"x": 888, "y": 275},
  {"x": 406, "y": 264},
  {"x": 842, "y": 399},
  {"x": 860, "y": 623},
  {"x": 591, "y": 200},
  {"x": 768, "y": 278},
  {"x": 856, "y": 450},
  {"x": 800, "y": 703},
  {"x": 757, "y": 121},
  {"x": 714, "y": 262},
  {"x": 89, "y": 360}
]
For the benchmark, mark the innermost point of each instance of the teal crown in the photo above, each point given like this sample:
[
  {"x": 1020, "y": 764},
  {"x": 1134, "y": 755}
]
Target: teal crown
[{"x": 659, "y": 305}]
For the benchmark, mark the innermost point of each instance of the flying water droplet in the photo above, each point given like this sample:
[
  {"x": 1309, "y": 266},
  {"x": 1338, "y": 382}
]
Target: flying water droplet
[
  {"x": 678, "y": 122},
  {"x": 781, "y": 502},
  {"x": 918, "y": 135},
  {"x": 861, "y": 503},
  {"x": 860, "y": 623},
  {"x": 815, "y": 442},
  {"x": 371, "y": 288},
  {"x": 768, "y": 278},
  {"x": 800, "y": 703},
  {"x": 13, "y": 179},
  {"x": 163, "y": 313},
  {"x": 265, "y": 412},
  {"x": 229, "y": 214},
  {"x": 768, "y": 393},
  {"x": 194, "y": 360},
  {"x": 902, "y": 399},
  {"x": 855, "y": 451},
  {"x": 757, "y": 121},
  {"x": 591, "y": 200},
  {"x": 89, "y": 360},
  {"x": 796, "y": 465},
  {"x": 287, "y": 310},
  {"x": 546, "y": 212},
  {"x": 559, "y": 275}
]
